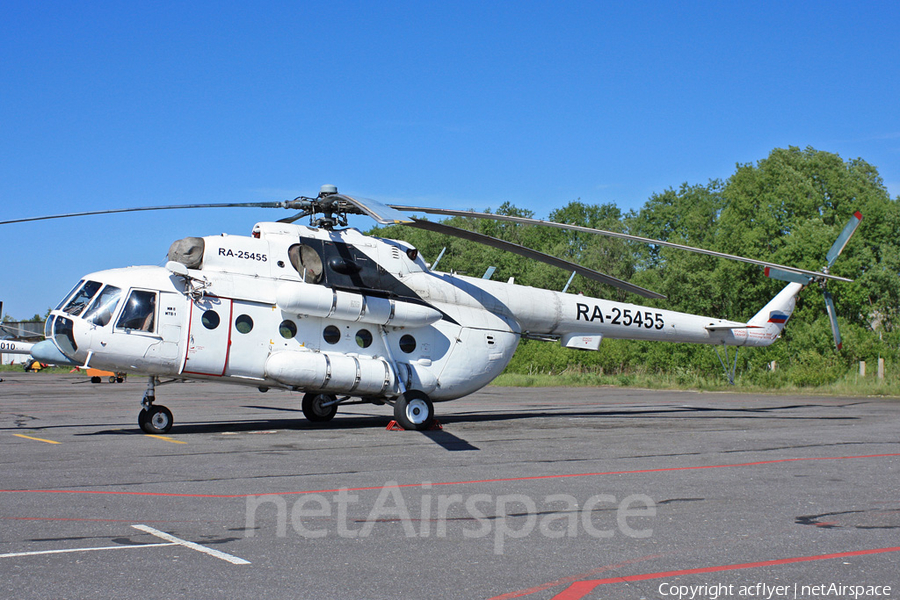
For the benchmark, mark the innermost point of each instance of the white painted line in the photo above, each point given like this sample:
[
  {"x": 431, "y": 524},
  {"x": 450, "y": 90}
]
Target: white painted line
[
  {"x": 12, "y": 554},
  {"x": 171, "y": 538}
]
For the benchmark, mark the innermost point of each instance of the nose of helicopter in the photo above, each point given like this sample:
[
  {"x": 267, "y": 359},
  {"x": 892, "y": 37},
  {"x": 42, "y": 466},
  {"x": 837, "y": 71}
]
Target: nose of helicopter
[{"x": 47, "y": 352}]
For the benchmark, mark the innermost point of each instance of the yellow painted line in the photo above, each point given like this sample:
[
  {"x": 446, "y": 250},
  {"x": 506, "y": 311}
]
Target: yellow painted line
[
  {"x": 28, "y": 437},
  {"x": 165, "y": 439}
]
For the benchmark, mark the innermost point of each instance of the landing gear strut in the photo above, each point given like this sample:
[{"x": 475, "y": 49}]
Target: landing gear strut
[
  {"x": 154, "y": 419},
  {"x": 414, "y": 410},
  {"x": 319, "y": 408}
]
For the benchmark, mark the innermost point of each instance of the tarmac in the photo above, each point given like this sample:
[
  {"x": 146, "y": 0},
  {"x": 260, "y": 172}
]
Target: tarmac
[{"x": 535, "y": 493}]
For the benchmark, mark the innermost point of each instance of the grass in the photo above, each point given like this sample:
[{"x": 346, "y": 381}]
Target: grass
[
  {"x": 19, "y": 369},
  {"x": 849, "y": 385}
]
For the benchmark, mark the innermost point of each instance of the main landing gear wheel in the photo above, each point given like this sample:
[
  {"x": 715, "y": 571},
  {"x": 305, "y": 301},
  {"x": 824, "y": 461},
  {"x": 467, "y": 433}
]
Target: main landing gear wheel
[
  {"x": 414, "y": 410},
  {"x": 156, "y": 419},
  {"x": 315, "y": 409}
]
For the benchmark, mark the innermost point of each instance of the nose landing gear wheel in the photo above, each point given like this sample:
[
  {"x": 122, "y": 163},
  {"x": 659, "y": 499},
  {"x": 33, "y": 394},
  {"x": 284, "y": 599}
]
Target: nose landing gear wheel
[
  {"x": 155, "y": 420},
  {"x": 314, "y": 408},
  {"x": 414, "y": 410}
]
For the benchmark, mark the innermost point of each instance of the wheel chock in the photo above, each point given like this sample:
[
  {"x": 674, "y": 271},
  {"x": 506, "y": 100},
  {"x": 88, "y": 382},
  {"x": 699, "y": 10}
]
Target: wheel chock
[{"x": 395, "y": 426}]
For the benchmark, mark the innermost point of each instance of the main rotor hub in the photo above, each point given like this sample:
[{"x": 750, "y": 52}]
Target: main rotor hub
[{"x": 327, "y": 190}]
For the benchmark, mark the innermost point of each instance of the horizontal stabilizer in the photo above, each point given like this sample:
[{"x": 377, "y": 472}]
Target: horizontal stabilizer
[{"x": 581, "y": 341}]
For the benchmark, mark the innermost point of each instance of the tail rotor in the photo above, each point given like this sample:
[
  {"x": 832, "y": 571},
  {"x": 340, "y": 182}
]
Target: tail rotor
[{"x": 832, "y": 255}]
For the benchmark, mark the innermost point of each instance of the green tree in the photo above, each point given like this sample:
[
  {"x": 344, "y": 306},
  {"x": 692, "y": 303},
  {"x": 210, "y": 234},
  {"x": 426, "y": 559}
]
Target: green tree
[{"x": 788, "y": 208}]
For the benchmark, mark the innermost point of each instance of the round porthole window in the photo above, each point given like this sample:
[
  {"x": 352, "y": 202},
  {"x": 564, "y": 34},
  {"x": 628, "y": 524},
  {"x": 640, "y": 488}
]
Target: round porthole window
[
  {"x": 363, "y": 338},
  {"x": 244, "y": 324},
  {"x": 332, "y": 334},
  {"x": 210, "y": 319},
  {"x": 407, "y": 343},
  {"x": 287, "y": 329}
]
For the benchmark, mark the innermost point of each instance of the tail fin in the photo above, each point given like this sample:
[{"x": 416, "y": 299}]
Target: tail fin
[{"x": 774, "y": 315}]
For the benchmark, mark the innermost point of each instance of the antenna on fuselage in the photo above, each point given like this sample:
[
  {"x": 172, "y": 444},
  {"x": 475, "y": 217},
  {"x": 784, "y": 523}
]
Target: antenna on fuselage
[{"x": 438, "y": 259}]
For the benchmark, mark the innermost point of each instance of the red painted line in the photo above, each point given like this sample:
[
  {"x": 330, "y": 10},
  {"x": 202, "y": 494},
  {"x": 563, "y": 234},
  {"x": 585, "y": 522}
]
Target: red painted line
[
  {"x": 227, "y": 346},
  {"x": 579, "y": 590},
  {"x": 472, "y": 482},
  {"x": 230, "y": 330},
  {"x": 571, "y": 578}
]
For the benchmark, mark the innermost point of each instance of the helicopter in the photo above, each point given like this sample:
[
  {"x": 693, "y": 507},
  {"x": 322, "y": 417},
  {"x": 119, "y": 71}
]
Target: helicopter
[{"x": 344, "y": 317}]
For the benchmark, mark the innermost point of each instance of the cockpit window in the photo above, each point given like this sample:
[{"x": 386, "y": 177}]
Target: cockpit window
[
  {"x": 139, "y": 312},
  {"x": 70, "y": 294},
  {"x": 101, "y": 310},
  {"x": 82, "y": 297},
  {"x": 64, "y": 337}
]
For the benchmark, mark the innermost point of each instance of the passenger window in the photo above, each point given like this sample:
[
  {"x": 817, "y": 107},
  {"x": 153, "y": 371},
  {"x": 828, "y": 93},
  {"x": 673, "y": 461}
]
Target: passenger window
[
  {"x": 139, "y": 312},
  {"x": 210, "y": 319},
  {"x": 101, "y": 311},
  {"x": 332, "y": 334},
  {"x": 287, "y": 329},
  {"x": 408, "y": 343},
  {"x": 244, "y": 324},
  {"x": 363, "y": 338}
]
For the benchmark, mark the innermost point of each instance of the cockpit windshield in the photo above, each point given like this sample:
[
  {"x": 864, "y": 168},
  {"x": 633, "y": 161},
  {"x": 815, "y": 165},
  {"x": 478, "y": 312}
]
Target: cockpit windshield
[
  {"x": 81, "y": 298},
  {"x": 70, "y": 294},
  {"x": 101, "y": 310}
]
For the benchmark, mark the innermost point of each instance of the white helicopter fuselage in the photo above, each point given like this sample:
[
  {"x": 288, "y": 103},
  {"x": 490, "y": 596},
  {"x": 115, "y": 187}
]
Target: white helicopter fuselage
[{"x": 347, "y": 315}]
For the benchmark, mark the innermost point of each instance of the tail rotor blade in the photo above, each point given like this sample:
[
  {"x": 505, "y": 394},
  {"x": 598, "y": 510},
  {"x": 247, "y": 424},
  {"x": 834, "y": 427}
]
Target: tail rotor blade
[
  {"x": 782, "y": 275},
  {"x": 832, "y": 316},
  {"x": 842, "y": 240}
]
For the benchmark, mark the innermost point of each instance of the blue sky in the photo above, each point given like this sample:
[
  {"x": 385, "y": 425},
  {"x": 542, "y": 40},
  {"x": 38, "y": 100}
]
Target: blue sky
[{"x": 454, "y": 104}]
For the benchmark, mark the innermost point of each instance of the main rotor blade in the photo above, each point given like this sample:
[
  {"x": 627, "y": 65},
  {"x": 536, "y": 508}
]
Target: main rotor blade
[
  {"x": 842, "y": 239},
  {"x": 525, "y": 221},
  {"x": 296, "y": 217},
  {"x": 385, "y": 215},
  {"x": 534, "y": 255},
  {"x": 146, "y": 208},
  {"x": 832, "y": 316}
]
